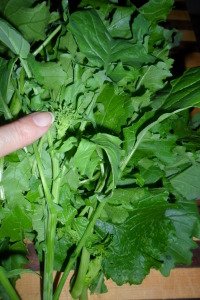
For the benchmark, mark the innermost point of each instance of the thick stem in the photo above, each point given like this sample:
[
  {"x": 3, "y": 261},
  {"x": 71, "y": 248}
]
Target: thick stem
[
  {"x": 56, "y": 171},
  {"x": 78, "y": 249},
  {"x": 51, "y": 227},
  {"x": 99, "y": 284},
  {"x": 50, "y": 233},
  {"x": 26, "y": 67},
  {"x": 43, "y": 179},
  {"x": 7, "y": 285},
  {"x": 49, "y": 256},
  {"x": 84, "y": 294},
  {"x": 45, "y": 43},
  {"x": 80, "y": 278},
  {"x": 39, "y": 148}
]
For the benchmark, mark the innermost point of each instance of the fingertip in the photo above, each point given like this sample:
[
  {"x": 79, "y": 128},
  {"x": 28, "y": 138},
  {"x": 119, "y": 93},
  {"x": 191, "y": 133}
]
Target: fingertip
[{"x": 42, "y": 119}]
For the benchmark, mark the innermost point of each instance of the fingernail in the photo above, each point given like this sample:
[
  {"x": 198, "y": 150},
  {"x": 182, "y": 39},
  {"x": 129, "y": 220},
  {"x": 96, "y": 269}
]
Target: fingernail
[{"x": 43, "y": 119}]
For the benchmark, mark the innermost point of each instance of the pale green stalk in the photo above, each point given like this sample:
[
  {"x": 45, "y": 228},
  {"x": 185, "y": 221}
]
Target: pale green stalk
[
  {"x": 79, "y": 284},
  {"x": 78, "y": 249},
  {"x": 51, "y": 227},
  {"x": 7, "y": 285},
  {"x": 43, "y": 179},
  {"x": 49, "y": 256},
  {"x": 84, "y": 294},
  {"x": 51, "y": 219},
  {"x": 51, "y": 196},
  {"x": 48, "y": 39},
  {"x": 26, "y": 67}
]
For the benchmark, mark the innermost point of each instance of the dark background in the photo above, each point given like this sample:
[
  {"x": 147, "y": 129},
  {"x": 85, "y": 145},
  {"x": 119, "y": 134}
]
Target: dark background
[{"x": 193, "y": 7}]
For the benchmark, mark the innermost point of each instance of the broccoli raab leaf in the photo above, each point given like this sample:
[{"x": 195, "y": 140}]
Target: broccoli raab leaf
[
  {"x": 111, "y": 189},
  {"x": 155, "y": 10},
  {"x": 135, "y": 248},
  {"x": 186, "y": 183},
  {"x": 30, "y": 21},
  {"x": 13, "y": 39},
  {"x": 98, "y": 45}
]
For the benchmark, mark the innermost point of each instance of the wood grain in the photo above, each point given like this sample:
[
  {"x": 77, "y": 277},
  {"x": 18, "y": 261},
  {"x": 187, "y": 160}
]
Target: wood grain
[
  {"x": 183, "y": 283},
  {"x": 192, "y": 60},
  {"x": 188, "y": 36},
  {"x": 181, "y": 15}
]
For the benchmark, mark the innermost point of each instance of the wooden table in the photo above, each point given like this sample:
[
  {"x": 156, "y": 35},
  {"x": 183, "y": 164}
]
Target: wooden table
[
  {"x": 183, "y": 283},
  {"x": 188, "y": 51}
]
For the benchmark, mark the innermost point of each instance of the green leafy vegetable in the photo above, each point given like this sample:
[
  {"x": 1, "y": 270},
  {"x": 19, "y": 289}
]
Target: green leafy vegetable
[
  {"x": 135, "y": 246},
  {"x": 13, "y": 39},
  {"x": 109, "y": 49},
  {"x": 186, "y": 183},
  {"x": 110, "y": 190},
  {"x": 30, "y": 21},
  {"x": 155, "y": 10},
  {"x": 179, "y": 96},
  {"x": 114, "y": 109}
]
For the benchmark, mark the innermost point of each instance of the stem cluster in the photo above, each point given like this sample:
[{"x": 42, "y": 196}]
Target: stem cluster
[{"x": 52, "y": 198}]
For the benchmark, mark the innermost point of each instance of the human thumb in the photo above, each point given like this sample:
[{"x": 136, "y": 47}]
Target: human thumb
[{"x": 23, "y": 132}]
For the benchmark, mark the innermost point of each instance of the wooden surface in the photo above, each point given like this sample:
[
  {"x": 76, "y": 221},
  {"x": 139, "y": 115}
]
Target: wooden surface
[
  {"x": 192, "y": 60},
  {"x": 188, "y": 52},
  {"x": 181, "y": 15},
  {"x": 183, "y": 283}
]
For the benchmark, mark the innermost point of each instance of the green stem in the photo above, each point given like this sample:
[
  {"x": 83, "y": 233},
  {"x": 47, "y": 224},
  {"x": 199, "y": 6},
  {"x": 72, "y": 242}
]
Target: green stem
[
  {"x": 78, "y": 249},
  {"x": 50, "y": 233},
  {"x": 39, "y": 148},
  {"x": 51, "y": 219},
  {"x": 26, "y": 67},
  {"x": 80, "y": 278},
  {"x": 49, "y": 38},
  {"x": 49, "y": 256},
  {"x": 43, "y": 179},
  {"x": 7, "y": 285},
  {"x": 142, "y": 134},
  {"x": 84, "y": 211},
  {"x": 99, "y": 284},
  {"x": 51, "y": 226},
  {"x": 84, "y": 294},
  {"x": 56, "y": 170}
]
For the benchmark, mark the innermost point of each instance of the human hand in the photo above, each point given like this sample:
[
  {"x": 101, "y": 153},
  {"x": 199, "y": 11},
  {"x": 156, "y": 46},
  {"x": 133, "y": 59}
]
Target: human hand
[{"x": 23, "y": 132}]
